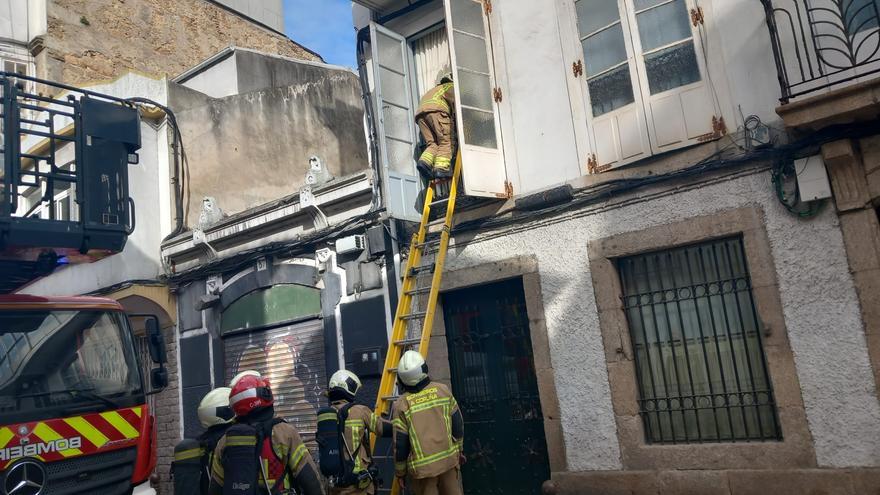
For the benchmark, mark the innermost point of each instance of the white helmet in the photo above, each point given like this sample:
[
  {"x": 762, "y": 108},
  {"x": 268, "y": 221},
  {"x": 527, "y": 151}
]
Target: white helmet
[
  {"x": 214, "y": 408},
  {"x": 343, "y": 384},
  {"x": 412, "y": 368}
]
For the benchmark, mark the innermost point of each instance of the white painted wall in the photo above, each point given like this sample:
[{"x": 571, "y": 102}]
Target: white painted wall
[
  {"x": 268, "y": 12},
  {"x": 218, "y": 81},
  {"x": 149, "y": 187},
  {"x": 14, "y": 20},
  {"x": 821, "y": 313}
]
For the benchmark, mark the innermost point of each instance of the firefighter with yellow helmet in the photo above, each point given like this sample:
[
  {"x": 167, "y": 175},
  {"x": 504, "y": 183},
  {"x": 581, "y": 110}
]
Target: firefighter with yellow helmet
[{"x": 428, "y": 431}]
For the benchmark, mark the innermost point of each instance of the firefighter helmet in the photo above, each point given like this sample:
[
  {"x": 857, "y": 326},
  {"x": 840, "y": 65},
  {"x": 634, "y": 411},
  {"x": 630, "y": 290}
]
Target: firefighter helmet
[
  {"x": 412, "y": 368},
  {"x": 249, "y": 392},
  {"x": 444, "y": 76},
  {"x": 343, "y": 385},
  {"x": 214, "y": 408}
]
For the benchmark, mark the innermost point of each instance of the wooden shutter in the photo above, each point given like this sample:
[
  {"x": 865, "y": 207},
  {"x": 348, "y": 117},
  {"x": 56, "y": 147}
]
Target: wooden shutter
[
  {"x": 619, "y": 136},
  {"x": 396, "y": 122},
  {"x": 683, "y": 115},
  {"x": 476, "y": 92}
]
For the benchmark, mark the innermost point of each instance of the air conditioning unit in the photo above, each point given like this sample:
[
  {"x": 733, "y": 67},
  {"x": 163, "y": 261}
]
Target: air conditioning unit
[{"x": 351, "y": 244}]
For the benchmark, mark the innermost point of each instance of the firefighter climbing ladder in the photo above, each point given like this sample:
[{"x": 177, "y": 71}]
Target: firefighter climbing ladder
[{"x": 415, "y": 310}]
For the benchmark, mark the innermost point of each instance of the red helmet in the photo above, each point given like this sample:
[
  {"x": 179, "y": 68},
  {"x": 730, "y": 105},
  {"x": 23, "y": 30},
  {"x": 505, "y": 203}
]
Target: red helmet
[{"x": 250, "y": 391}]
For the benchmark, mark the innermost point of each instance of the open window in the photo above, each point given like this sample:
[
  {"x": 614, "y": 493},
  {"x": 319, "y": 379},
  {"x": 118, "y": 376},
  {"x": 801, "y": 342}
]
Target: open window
[
  {"x": 479, "y": 130},
  {"x": 395, "y": 113},
  {"x": 405, "y": 65},
  {"x": 643, "y": 75}
]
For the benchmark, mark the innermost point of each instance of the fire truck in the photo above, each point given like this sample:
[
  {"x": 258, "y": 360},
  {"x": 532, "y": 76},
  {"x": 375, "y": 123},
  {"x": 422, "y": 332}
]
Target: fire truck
[{"x": 74, "y": 414}]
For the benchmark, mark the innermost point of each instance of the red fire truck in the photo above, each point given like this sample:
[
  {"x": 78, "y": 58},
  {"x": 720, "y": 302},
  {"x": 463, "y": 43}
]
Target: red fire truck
[
  {"x": 74, "y": 415},
  {"x": 72, "y": 398}
]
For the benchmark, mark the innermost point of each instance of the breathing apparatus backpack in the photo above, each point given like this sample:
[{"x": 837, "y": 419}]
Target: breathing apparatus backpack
[
  {"x": 188, "y": 470},
  {"x": 333, "y": 447},
  {"x": 247, "y": 447}
]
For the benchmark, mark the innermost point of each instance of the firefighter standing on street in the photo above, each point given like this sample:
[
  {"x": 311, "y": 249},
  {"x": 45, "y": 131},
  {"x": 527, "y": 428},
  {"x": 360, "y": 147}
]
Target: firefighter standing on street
[
  {"x": 428, "y": 431},
  {"x": 192, "y": 457},
  {"x": 359, "y": 421},
  {"x": 435, "y": 120},
  {"x": 260, "y": 453}
]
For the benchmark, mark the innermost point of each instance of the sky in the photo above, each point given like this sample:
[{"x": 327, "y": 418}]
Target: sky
[{"x": 324, "y": 26}]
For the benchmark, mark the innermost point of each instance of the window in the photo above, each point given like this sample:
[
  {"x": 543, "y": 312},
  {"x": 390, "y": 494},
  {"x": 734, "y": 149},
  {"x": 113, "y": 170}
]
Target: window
[
  {"x": 644, "y": 77},
  {"x": 700, "y": 364},
  {"x": 404, "y": 66},
  {"x": 430, "y": 55}
]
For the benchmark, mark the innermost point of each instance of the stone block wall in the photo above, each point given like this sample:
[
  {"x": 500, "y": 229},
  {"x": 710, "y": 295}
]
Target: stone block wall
[{"x": 95, "y": 40}]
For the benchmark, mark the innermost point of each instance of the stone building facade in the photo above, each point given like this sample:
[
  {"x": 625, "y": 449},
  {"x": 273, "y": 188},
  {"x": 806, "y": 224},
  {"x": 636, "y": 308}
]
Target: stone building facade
[{"x": 88, "y": 41}]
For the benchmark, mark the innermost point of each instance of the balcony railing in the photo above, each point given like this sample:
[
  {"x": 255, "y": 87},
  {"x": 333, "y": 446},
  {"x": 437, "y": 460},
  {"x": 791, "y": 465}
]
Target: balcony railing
[
  {"x": 818, "y": 44},
  {"x": 64, "y": 156}
]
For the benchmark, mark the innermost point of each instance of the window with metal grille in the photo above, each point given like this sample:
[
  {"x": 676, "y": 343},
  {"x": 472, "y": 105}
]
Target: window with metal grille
[{"x": 700, "y": 364}]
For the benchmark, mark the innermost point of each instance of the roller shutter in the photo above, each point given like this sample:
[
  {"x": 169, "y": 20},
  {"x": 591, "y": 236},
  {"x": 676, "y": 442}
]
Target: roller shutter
[{"x": 292, "y": 357}]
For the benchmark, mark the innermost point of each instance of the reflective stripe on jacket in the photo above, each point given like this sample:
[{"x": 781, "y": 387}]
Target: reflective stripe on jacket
[
  {"x": 439, "y": 99},
  {"x": 361, "y": 420},
  {"x": 285, "y": 440},
  {"x": 426, "y": 416}
]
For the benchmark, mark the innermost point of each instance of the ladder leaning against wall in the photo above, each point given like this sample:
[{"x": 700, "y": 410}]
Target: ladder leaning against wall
[{"x": 414, "y": 319}]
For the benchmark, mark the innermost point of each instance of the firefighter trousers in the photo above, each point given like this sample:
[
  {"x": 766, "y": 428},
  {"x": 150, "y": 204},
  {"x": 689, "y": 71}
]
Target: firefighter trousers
[
  {"x": 448, "y": 483},
  {"x": 437, "y": 130}
]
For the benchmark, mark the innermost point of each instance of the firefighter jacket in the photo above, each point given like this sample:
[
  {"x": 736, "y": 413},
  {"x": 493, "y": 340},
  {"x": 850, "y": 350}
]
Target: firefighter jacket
[
  {"x": 439, "y": 99},
  {"x": 288, "y": 447},
  {"x": 361, "y": 421},
  {"x": 428, "y": 432}
]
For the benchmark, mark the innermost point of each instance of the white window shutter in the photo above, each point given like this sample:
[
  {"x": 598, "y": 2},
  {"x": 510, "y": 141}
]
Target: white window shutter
[
  {"x": 684, "y": 115},
  {"x": 614, "y": 138},
  {"x": 396, "y": 122},
  {"x": 476, "y": 109}
]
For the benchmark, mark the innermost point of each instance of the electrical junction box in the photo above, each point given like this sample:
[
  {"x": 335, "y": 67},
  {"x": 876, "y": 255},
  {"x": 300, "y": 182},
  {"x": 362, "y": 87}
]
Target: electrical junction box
[
  {"x": 812, "y": 178},
  {"x": 351, "y": 244}
]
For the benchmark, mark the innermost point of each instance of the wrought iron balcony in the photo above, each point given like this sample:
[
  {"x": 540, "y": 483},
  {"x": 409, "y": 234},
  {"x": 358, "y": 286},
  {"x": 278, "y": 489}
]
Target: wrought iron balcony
[{"x": 818, "y": 44}]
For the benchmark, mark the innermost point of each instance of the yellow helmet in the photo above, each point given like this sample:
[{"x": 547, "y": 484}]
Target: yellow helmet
[
  {"x": 214, "y": 408},
  {"x": 343, "y": 385}
]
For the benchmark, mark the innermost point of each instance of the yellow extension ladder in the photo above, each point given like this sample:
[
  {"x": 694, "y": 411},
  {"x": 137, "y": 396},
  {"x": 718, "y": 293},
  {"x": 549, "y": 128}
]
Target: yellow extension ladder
[{"x": 417, "y": 303}]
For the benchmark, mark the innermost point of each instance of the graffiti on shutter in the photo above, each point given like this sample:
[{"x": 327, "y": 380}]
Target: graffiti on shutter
[{"x": 292, "y": 358}]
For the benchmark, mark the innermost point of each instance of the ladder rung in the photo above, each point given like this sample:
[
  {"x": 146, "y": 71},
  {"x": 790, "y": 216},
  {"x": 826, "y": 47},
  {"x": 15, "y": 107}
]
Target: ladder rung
[
  {"x": 406, "y": 342},
  {"x": 432, "y": 242},
  {"x": 390, "y": 398},
  {"x": 422, "y": 269},
  {"x": 414, "y": 316},
  {"x": 422, "y": 290},
  {"x": 391, "y": 370},
  {"x": 440, "y": 201}
]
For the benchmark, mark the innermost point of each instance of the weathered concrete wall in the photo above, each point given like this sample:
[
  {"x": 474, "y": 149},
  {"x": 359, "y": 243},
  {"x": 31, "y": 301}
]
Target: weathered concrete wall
[
  {"x": 90, "y": 40},
  {"x": 820, "y": 307},
  {"x": 248, "y": 149}
]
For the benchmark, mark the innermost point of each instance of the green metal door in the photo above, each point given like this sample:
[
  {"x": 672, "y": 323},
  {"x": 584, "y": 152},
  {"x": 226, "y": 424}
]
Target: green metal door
[{"x": 493, "y": 379}]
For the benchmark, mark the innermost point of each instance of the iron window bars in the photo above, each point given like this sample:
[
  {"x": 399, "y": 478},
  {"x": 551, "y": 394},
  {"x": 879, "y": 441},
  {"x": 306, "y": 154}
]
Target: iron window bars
[{"x": 700, "y": 364}]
